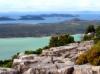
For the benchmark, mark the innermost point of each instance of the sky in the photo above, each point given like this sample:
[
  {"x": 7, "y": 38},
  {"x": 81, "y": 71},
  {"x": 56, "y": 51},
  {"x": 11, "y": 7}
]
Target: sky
[{"x": 49, "y": 5}]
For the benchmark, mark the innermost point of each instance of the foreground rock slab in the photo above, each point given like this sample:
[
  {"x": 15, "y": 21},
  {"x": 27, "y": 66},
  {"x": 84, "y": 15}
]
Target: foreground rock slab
[
  {"x": 56, "y": 60},
  {"x": 8, "y": 71},
  {"x": 86, "y": 69}
]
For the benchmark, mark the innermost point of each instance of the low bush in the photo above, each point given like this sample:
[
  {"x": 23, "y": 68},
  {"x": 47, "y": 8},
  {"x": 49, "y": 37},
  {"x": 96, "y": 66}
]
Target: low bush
[
  {"x": 92, "y": 56},
  {"x": 6, "y": 63},
  {"x": 88, "y": 37},
  {"x": 82, "y": 59},
  {"x": 15, "y": 56},
  {"x": 38, "y": 51},
  {"x": 61, "y": 40},
  {"x": 90, "y": 29},
  {"x": 97, "y": 37}
]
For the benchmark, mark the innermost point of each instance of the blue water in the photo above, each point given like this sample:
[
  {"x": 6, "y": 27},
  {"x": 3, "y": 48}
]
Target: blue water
[
  {"x": 89, "y": 16},
  {"x": 78, "y": 37},
  {"x": 11, "y": 46},
  {"x": 51, "y": 19},
  {"x": 46, "y": 20}
]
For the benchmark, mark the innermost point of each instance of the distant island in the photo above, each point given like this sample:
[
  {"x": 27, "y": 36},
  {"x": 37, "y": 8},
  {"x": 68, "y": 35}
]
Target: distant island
[
  {"x": 34, "y": 17},
  {"x": 58, "y": 15},
  {"x": 31, "y": 17},
  {"x": 4, "y": 18},
  {"x": 41, "y": 16}
]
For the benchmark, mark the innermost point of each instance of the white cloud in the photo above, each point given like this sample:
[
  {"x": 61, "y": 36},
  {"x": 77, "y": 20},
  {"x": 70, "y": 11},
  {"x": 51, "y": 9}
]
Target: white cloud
[{"x": 48, "y": 5}]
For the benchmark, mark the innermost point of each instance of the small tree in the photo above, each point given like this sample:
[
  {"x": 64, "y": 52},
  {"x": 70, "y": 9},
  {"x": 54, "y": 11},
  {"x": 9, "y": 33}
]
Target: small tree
[
  {"x": 53, "y": 41},
  {"x": 97, "y": 35},
  {"x": 90, "y": 29},
  {"x": 87, "y": 37},
  {"x": 98, "y": 32}
]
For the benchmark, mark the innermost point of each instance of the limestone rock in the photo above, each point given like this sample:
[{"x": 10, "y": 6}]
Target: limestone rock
[
  {"x": 86, "y": 69},
  {"x": 8, "y": 71},
  {"x": 56, "y": 60}
]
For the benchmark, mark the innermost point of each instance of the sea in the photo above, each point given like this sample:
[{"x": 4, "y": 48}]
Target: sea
[
  {"x": 11, "y": 46},
  {"x": 48, "y": 19}
]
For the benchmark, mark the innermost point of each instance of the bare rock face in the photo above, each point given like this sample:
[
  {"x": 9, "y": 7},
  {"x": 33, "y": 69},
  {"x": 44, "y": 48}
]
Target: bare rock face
[
  {"x": 66, "y": 70},
  {"x": 43, "y": 64},
  {"x": 86, "y": 69},
  {"x": 56, "y": 60},
  {"x": 8, "y": 71},
  {"x": 70, "y": 51}
]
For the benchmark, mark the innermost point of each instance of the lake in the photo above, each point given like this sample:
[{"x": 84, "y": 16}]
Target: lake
[{"x": 11, "y": 46}]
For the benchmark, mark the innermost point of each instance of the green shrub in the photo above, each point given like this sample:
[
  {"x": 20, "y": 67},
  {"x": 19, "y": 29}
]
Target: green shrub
[
  {"x": 54, "y": 41},
  {"x": 87, "y": 37},
  {"x": 90, "y": 29},
  {"x": 15, "y": 56},
  {"x": 29, "y": 52},
  {"x": 6, "y": 63},
  {"x": 61, "y": 40},
  {"x": 97, "y": 37},
  {"x": 38, "y": 51},
  {"x": 46, "y": 47}
]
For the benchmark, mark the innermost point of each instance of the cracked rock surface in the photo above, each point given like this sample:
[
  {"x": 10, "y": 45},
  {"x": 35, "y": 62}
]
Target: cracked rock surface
[{"x": 56, "y": 60}]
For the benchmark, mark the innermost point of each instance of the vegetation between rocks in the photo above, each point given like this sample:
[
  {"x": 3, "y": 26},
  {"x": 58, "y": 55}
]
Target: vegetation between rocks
[
  {"x": 92, "y": 56},
  {"x": 6, "y": 63}
]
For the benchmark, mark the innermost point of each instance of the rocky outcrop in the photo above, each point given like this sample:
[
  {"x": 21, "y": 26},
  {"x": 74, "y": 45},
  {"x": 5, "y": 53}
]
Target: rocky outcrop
[
  {"x": 70, "y": 51},
  {"x": 8, "y": 71},
  {"x": 42, "y": 63},
  {"x": 86, "y": 69},
  {"x": 66, "y": 70},
  {"x": 56, "y": 60}
]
